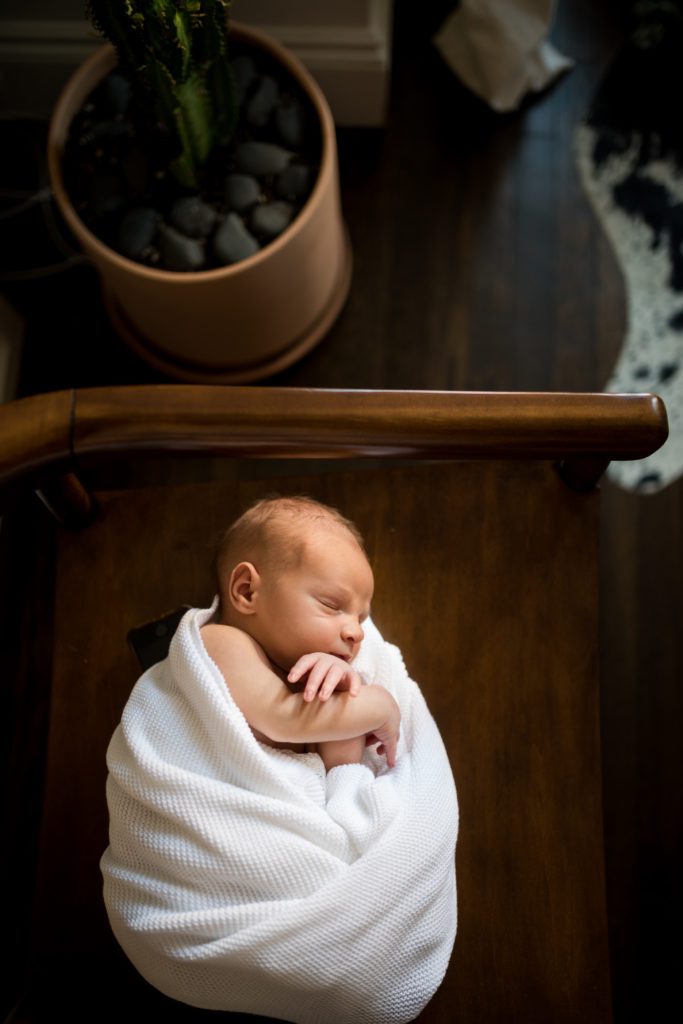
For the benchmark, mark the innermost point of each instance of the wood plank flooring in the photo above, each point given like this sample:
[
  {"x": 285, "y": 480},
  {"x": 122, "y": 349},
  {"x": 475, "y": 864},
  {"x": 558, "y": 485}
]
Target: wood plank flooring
[{"x": 479, "y": 265}]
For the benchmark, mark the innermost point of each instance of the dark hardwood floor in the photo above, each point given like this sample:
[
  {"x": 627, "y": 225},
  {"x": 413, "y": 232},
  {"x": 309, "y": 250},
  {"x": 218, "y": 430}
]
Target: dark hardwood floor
[{"x": 478, "y": 264}]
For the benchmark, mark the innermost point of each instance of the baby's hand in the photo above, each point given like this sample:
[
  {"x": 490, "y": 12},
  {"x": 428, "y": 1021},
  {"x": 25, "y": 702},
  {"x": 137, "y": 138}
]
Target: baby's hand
[
  {"x": 326, "y": 673},
  {"x": 389, "y": 733}
]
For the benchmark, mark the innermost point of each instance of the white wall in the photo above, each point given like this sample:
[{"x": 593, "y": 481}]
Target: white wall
[{"x": 346, "y": 44}]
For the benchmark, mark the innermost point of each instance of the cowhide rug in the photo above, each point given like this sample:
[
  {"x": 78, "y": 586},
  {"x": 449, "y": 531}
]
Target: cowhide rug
[{"x": 629, "y": 152}]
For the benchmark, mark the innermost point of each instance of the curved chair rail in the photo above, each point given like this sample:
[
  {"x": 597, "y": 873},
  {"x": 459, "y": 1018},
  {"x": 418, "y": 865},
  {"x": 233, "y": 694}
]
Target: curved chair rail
[{"x": 60, "y": 430}]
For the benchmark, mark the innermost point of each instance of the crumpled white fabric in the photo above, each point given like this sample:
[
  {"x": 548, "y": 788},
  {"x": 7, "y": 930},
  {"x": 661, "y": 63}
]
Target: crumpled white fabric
[
  {"x": 500, "y": 50},
  {"x": 239, "y": 877}
]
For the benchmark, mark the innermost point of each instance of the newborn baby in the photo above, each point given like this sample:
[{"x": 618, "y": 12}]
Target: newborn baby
[{"x": 233, "y": 869}]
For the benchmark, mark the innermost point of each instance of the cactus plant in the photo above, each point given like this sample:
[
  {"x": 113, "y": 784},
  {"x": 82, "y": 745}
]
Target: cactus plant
[
  {"x": 175, "y": 260},
  {"x": 175, "y": 55}
]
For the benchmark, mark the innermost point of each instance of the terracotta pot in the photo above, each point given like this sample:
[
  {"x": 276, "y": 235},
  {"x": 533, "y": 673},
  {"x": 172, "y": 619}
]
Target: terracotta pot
[{"x": 236, "y": 323}]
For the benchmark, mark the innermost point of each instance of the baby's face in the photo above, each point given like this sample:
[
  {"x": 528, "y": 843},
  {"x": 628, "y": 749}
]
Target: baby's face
[{"x": 321, "y": 604}]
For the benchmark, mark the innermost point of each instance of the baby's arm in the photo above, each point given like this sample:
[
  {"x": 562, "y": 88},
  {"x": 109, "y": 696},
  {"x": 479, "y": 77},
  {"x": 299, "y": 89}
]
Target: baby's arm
[
  {"x": 317, "y": 676},
  {"x": 285, "y": 717},
  {"x": 324, "y": 675},
  {"x": 337, "y": 752}
]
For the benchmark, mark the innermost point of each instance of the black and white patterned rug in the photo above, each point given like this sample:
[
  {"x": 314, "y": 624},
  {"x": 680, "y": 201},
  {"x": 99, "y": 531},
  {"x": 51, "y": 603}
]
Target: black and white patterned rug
[{"x": 629, "y": 152}]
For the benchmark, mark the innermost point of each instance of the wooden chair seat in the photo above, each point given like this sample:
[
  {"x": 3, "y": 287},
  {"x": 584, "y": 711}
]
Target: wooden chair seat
[{"x": 486, "y": 577}]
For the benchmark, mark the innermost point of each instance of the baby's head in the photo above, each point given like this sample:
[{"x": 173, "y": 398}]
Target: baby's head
[{"x": 293, "y": 574}]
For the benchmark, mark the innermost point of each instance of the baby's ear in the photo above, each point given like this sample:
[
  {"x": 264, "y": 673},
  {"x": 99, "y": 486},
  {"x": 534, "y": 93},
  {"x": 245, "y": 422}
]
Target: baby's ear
[{"x": 244, "y": 583}]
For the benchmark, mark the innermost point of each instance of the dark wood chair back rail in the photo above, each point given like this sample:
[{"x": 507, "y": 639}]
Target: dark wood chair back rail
[{"x": 49, "y": 430}]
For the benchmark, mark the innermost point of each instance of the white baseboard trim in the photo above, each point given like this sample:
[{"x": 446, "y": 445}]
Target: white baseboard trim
[{"x": 350, "y": 62}]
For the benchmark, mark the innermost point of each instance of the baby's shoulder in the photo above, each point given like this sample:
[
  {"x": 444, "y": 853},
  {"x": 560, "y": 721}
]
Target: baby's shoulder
[
  {"x": 224, "y": 643},
  {"x": 213, "y": 628}
]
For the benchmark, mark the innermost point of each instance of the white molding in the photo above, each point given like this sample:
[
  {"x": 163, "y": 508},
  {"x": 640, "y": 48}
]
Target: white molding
[{"x": 351, "y": 62}]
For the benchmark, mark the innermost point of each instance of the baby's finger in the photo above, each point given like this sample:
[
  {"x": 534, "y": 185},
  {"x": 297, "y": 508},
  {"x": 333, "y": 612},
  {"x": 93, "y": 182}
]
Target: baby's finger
[
  {"x": 390, "y": 751},
  {"x": 356, "y": 684},
  {"x": 301, "y": 667},
  {"x": 315, "y": 679},
  {"x": 335, "y": 673}
]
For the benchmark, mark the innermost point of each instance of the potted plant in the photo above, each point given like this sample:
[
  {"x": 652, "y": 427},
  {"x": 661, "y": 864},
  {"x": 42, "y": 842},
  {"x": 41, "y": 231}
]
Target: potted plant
[{"x": 196, "y": 165}]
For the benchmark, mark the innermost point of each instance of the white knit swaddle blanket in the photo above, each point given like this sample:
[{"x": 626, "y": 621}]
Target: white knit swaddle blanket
[{"x": 239, "y": 877}]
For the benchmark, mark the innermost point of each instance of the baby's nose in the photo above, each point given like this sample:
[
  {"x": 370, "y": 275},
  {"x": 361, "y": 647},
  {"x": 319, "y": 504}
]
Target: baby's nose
[{"x": 353, "y": 631}]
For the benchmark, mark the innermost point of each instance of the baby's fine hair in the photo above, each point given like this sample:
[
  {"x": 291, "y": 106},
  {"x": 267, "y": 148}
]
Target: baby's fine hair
[{"x": 274, "y": 529}]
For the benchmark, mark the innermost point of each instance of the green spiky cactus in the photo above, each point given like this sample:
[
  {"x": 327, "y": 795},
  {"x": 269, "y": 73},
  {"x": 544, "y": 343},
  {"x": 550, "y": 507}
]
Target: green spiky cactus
[{"x": 176, "y": 57}]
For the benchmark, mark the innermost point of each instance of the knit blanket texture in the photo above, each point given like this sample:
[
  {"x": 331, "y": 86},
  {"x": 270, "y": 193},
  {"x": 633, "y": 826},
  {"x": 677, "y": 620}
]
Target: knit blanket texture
[{"x": 244, "y": 878}]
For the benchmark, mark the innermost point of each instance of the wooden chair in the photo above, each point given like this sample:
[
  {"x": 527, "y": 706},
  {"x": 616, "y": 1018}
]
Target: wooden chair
[{"x": 480, "y": 513}]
